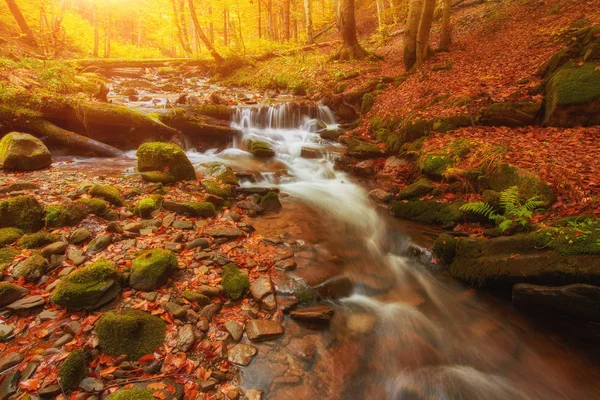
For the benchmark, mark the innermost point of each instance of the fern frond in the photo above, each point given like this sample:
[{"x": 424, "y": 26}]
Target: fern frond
[
  {"x": 532, "y": 204},
  {"x": 509, "y": 199},
  {"x": 481, "y": 208},
  {"x": 506, "y": 225}
]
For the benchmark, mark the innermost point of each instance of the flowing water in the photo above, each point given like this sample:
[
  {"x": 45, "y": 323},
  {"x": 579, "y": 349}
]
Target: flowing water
[{"x": 399, "y": 331}]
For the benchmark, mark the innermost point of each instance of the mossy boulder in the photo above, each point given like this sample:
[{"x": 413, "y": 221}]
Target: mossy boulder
[
  {"x": 434, "y": 165},
  {"x": 198, "y": 297},
  {"x": 94, "y": 206},
  {"x": 234, "y": 282},
  {"x": 573, "y": 239},
  {"x": 152, "y": 269},
  {"x": 6, "y": 257},
  {"x": 416, "y": 189},
  {"x": 72, "y": 370},
  {"x": 529, "y": 184},
  {"x": 23, "y": 152},
  {"x": 573, "y": 96},
  {"x": 67, "y": 214},
  {"x": 165, "y": 157},
  {"x": 412, "y": 130},
  {"x": 261, "y": 149},
  {"x": 9, "y": 293},
  {"x": 270, "y": 202},
  {"x": 146, "y": 206},
  {"x": 510, "y": 114},
  {"x": 136, "y": 393},
  {"x": 221, "y": 172},
  {"x": 158, "y": 177},
  {"x": 368, "y": 100},
  {"x": 89, "y": 287},
  {"x": 428, "y": 212},
  {"x": 444, "y": 248},
  {"x": 37, "y": 240},
  {"x": 363, "y": 150},
  {"x": 112, "y": 194},
  {"x": 134, "y": 333},
  {"x": 9, "y": 236},
  {"x": 31, "y": 269},
  {"x": 196, "y": 209},
  {"x": 23, "y": 212},
  {"x": 452, "y": 123},
  {"x": 218, "y": 189}
]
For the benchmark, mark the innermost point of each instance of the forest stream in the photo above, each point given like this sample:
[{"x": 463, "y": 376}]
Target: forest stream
[{"x": 401, "y": 329}]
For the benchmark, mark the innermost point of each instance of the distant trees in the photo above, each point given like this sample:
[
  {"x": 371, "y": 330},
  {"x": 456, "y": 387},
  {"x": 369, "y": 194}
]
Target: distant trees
[
  {"x": 446, "y": 31},
  {"x": 18, "y": 16},
  {"x": 200, "y": 33}
]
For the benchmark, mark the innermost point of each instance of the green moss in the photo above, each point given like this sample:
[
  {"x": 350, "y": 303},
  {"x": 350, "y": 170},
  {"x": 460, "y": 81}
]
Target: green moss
[
  {"x": 23, "y": 212},
  {"x": 364, "y": 150},
  {"x": 94, "y": 206},
  {"x": 73, "y": 370},
  {"x": 9, "y": 292},
  {"x": 152, "y": 268},
  {"x": 65, "y": 214},
  {"x": 217, "y": 111},
  {"x": 31, "y": 269},
  {"x": 222, "y": 190},
  {"x": 133, "y": 394},
  {"x": 86, "y": 287},
  {"x": 435, "y": 165},
  {"x": 574, "y": 85},
  {"x": 158, "y": 177},
  {"x": 38, "y": 239},
  {"x": 6, "y": 256},
  {"x": 575, "y": 238},
  {"x": 146, "y": 206},
  {"x": 202, "y": 209},
  {"x": 131, "y": 332},
  {"x": 221, "y": 173},
  {"x": 368, "y": 100},
  {"x": 165, "y": 157},
  {"x": 190, "y": 295},
  {"x": 9, "y": 236},
  {"x": 428, "y": 212},
  {"x": 416, "y": 189},
  {"x": 305, "y": 294},
  {"x": 111, "y": 194},
  {"x": 261, "y": 149},
  {"x": 528, "y": 183},
  {"x": 234, "y": 282},
  {"x": 270, "y": 202},
  {"x": 444, "y": 248}
]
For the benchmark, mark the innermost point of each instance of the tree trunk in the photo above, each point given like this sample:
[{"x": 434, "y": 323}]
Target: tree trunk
[
  {"x": 309, "y": 25},
  {"x": 351, "y": 49},
  {"x": 446, "y": 32},
  {"x": 200, "y": 33},
  {"x": 186, "y": 46},
  {"x": 394, "y": 12},
  {"x": 425, "y": 31},
  {"x": 184, "y": 28},
  {"x": 286, "y": 20},
  {"x": 96, "y": 31},
  {"x": 211, "y": 27},
  {"x": 57, "y": 24},
  {"x": 259, "y": 20},
  {"x": 379, "y": 14},
  {"x": 225, "y": 34},
  {"x": 411, "y": 30},
  {"x": 18, "y": 16}
]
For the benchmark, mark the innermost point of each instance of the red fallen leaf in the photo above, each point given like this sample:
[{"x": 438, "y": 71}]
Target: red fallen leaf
[
  {"x": 170, "y": 389},
  {"x": 147, "y": 359},
  {"x": 108, "y": 371},
  {"x": 157, "y": 386},
  {"x": 30, "y": 384},
  {"x": 514, "y": 256},
  {"x": 159, "y": 395},
  {"x": 128, "y": 386}
]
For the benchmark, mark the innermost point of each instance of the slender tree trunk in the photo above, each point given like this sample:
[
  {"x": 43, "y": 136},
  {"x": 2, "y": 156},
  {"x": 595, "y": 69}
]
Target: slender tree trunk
[
  {"x": 411, "y": 30},
  {"x": 184, "y": 27},
  {"x": 240, "y": 30},
  {"x": 286, "y": 20},
  {"x": 18, "y": 16},
  {"x": 351, "y": 48},
  {"x": 211, "y": 27},
  {"x": 446, "y": 33},
  {"x": 394, "y": 12},
  {"x": 185, "y": 45},
  {"x": 425, "y": 31},
  {"x": 309, "y": 25},
  {"x": 225, "y": 33},
  {"x": 96, "y": 30},
  {"x": 259, "y": 20},
  {"x": 379, "y": 16},
  {"x": 201, "y": 35}
]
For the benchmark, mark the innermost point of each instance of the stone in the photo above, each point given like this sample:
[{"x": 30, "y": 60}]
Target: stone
[
  {"x": 365, "y": 168},
  {"x": 174, "y": 247},
  {"x": 263, "y": 329},
  {"x": 158, "y": 156},
  {"x": 195, "y": 209},
  {"x": 221, "y": 173},
  {"x": 133, "y": 227},
  {"x": 91, "y": 385},
  {"x": 381, "y": 195},
  {"x": 361, "y": 323},
  {"x": 302, "y": 348},
  {"x": 417, "y": 189},
  {"x": 99, "y": 244},
  {"x": 54, "y": 248},
  {"x": 235, "y": 329},
  {"x": 10, "y": 385},
  {"x": 175, "y": 309},
  {"x": 9, "y": 293},
  {"x": 286, "y": 265},
  {"x": 210, "y": 311},
  {"x": 249, "y": 205},
  {"x": 253, "y": 394},
  {"x": 270, "y": 202},
  {"x": 318, "y": 313},
  {"x": 187, "y": 225},
  {"x": 27, "y": 303},
  {"x": 208, "y": 384},
  {"x": 224, "y": 232},
  {"x": 47, "y": 315},
  {"x": 50, "y": 391},
  {"x": 23, "y": 212},
  {"x": 242, "y": 354},
  {"x": 64, "y": 339},
  {"x": 72, "y": 327},
  {"x": 6, "y": 332},
  {"x": 80, "y": 235},
  {"x": 261, "y": 149},
  {"x": 210, "y": 291},
  {"x": 31, "y": 269},
  {"x": 185, "y": 338},
  {"x": 114, "y": 227},
  {"x": 201, "y": 243},
  {"x": 29, "y": 370},
  {"x": 76, "y": 255},
  {"x": 308, "y": 152},
  {"x": 23, "y": 152},
  {"x": 151, "y": 269},
  {"x": 261, "y": 287},
  {"x": 9, "y": 360}
]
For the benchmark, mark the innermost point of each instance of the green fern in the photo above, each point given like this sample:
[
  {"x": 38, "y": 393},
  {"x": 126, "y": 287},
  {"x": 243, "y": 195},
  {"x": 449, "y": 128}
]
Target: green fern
[{"x": 481, "y": 208}]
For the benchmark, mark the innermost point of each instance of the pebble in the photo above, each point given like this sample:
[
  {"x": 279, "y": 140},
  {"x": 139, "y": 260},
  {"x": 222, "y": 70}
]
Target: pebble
[
  {"x": 235, "y": 329},
  {"x": 91, "y": 385},
  {"x": 10, "y": 384},
  {"x": 47, "y": 315},
  {"x": 174, "y": 308},
  {"x": 73, "y": 327},
  {"x": 242, "y": 354},
  {"x": 185, "y": 337},
  {"x": 9, "y": 360},
  {"x": 201, "y": 243},
  {"x": 6, "y": 332},
  {"x": 54, "y": 248}
]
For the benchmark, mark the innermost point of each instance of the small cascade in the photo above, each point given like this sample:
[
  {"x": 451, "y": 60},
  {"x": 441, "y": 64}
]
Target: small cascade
[{"x": 307, "y": 116}]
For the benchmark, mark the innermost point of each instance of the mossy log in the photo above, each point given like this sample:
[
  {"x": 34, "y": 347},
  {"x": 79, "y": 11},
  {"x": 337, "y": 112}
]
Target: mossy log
[
  {"x": 141, "y": 63},
  {"x": 55, "y": 135},
  {"x": 199, "y": 129}
]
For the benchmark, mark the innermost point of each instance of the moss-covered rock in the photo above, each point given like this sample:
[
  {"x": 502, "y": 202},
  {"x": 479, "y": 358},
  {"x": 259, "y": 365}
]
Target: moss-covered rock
[
  {"x": 218, "y": 111},
  {"x": 23, "y": 212},
  {"x": 9, "y": 236},
  {"x": 198, "y": 297},
  {"x": 368, "y": 100},
  {"x": 444, "y": 248},
  {"x": 528, "y": 183},
  {"x": 573, "y": 96},
  {"x": 261, "y": 149},
  {"x": 138, "y": 393},
  {"x": 416, "y": 189},
  {"x": 270, "y": 202},
  {"x": 31, "y": 269},
  {"x": 112, "y": 194},
  {"x": 67, "y": 214},
  {"x": 152, "y": 269},
  {"x": 218, "y": 189},
  {"x": 428, "y": 212},
  {"x": 448, "y": 124},
  {"x": 6, "y": 257},
  {"x": 158, "y": 177},
  {"x": 574, "y": 239},
  {"x": 94, "y": 206},
  {"x": 363, "y": 150},
  {"x": 434, "y": 165},
  {"x": 510, "y": 114},
  {"x": 146, "y": 206},
  {"x": 415, "y": 129},
  {"x": 89, "y": 287},
  {"x": 9, "y": 293},
  {"x": 23, "y": 152},
  {"x": 234, "y": 282},
  {"x": 165, "y": 157},
  {"x": 195, "y": 209},
  {"x": 131, "y": 332},
  {"x": 72, "y": 370},
  {"x": 37, "y": 240},
  {"x": 221, "y": 172}
]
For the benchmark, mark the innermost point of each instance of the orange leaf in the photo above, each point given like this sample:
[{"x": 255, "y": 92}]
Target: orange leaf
[
  {"x": 108, "y": 371},
  {"x": 30, "y": 384},
  {"x": 159, "y": 395},
  {"x": 157, "y": 386}
]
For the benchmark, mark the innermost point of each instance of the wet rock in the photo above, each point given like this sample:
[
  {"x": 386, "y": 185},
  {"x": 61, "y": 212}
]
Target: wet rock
[
  {"x": 23, "y": 152},
  {"x": 224, "y": 232},
  {"x": 54, "y": 248},
  {"x": 185, "y": 338},
  {"x": 242, "y": 354},
  {"x": 577, "y": 301},
  {"x": 318, "y": 313},
  {"x": 201, "y": 243},
  {"x": 10, "y": 385},
  {"x": 221, "y": 173},
  {"x": 253, "y": 394},
  {"x": 6, "y": 332},
  {"x": 286, "y": 265},
  {"x": 80, "y": 235},
  {"x": 98, "y": 244},
  {"x": 308, "y": 152},
  {"x": 302, "y": 348},
  {"x": 261, "y": 149},
  {"x": 31, "y": 269},
  {"x": 249, "y": 205},
  {"x": 9, "y": 360},
  {"x": 365, "y": 168},
  {"x": 9, "y": 293},
  {"x": 381, "y": 195},
  {"x": 261, "y": 287},
  {"x": 151, "y": 269},
  {"x": 361, "y": 323},
  {"x": 235, "y": 329},
  {"x": 417, "y": 189},
  {"x": 263, "y": 329},
  {"x": 175, "y": 309},
  {"x": 27, "y": 303},
  {"x": 50, "y": 391},
  {"x": 270, "y": 202}
]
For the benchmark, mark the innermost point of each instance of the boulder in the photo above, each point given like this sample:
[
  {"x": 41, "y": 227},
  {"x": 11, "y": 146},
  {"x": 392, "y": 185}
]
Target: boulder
[
  {"x": 234, "y": 281},
  {"x": 112, "y": 194},
  {"x": 6, "y": 257},
  {"x": 363, "y": 150},
  {"x": 31, "y": 269},
  {"x": 221, "y": 172},
  {"x": 99, "y": 244},
  {"x": 72, "y": 370},
  {"x": 510, "y": 114},
  {"x": 165, "y": 157},
  {"x": 152, "y": 269},
  {"x": 134, "y": 333},
  {"x": 529, "y": 184},
  {"x": 38, "y": 239},
  {"x": 23, "y": 212},
  {"x": 219, "y": 189},
  {"x": 428, "y": 212},
  {"x": 270, "y": 202},
  {"x": 66, "y": 214},
  {"x": 9, "y": 236},
  {"x": 195, "y": 209},
  {"x": 263, "y": 329},
  {"x": 23, "y": 152},
  {"x": 88, "y": 288},
  {"x": 261, "y": 149},
  {"x": 146, "y": 206},
  {"x": 573, "y": 96},
  {"x": 416, "y": 189},
  {"x": 9, "y": 293}
]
